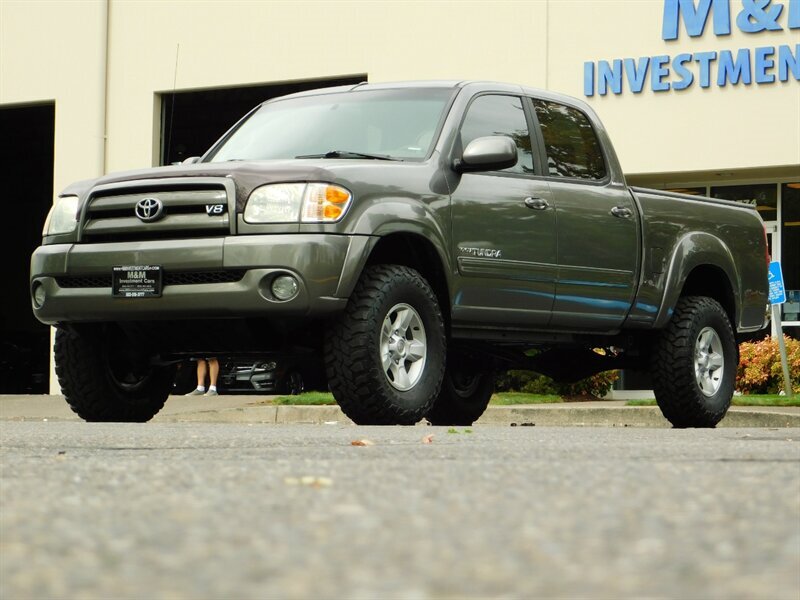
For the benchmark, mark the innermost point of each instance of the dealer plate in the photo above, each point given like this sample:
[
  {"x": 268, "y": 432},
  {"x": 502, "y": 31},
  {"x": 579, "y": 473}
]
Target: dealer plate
[{"x": 136, "y": 281}]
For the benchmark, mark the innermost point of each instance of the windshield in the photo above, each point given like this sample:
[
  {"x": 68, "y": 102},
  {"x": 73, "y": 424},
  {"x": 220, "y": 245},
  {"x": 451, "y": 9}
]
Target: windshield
[{"x": 395, "y": 123}]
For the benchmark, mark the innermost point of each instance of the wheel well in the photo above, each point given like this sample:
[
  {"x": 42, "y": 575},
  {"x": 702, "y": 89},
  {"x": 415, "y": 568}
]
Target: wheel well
[
  {"x": 417, "y": 252},
  {"x": 712, "y": 281}
]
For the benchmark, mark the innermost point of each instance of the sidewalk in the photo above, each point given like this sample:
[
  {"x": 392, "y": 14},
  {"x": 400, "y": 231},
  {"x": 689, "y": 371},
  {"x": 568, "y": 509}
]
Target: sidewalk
[{"x": 256, "y": 409}]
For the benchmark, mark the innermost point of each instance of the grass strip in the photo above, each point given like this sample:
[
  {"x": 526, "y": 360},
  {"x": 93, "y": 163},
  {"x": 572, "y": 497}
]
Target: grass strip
[
  {"x": 306, "y": 399},
  {"x": 512, "y": 398},
  {"x": 744, "y": 400}
]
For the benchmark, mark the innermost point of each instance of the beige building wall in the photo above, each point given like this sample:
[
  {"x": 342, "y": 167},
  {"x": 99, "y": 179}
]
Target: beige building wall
[
  {"x": 54, "y": 51},
  {"x": 156, "y": 47},
  {"x": 718, "y": 128},
  {"x": 236, "y": 43}
]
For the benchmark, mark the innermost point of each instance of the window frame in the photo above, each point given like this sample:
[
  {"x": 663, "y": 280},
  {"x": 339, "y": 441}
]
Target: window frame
[
  {"x": 531, "y": 123},
  {"x": 543, "y": 147}
]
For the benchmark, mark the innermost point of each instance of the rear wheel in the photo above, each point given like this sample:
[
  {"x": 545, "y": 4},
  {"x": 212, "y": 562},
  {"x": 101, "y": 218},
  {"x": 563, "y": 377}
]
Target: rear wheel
[
  {"x": 694, "y": 364},
  {"x": 466, "y": 391},
  {"x": 104, "y": 379},
  {"x": 385, "y": 356}
]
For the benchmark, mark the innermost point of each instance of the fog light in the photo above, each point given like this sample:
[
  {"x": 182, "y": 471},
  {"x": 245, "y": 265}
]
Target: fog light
[
  {"x": 285, "y": 287},
  {"x": 38, "y": 295}
]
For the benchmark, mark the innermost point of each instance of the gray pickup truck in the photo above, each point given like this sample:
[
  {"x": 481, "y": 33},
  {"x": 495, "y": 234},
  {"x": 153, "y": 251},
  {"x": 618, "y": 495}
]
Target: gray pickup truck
[{"x": 422, "y": 237}]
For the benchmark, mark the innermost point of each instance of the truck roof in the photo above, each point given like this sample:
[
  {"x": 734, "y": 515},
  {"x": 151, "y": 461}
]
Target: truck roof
[{"x": 477, "y": 84}]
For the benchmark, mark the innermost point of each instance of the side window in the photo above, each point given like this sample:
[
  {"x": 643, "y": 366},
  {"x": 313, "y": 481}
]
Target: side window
[
  {"x": 572, "y": 146},
  {"x": 500, "y": 115}
]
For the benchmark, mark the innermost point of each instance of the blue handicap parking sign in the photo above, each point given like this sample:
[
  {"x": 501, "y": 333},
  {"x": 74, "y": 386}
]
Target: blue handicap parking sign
[{"x": 777, "y": 291}]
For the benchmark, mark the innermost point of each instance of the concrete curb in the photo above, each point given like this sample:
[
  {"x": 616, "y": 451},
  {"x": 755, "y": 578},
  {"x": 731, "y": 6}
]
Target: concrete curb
[
  {"x": 621, "y": 416},
  {"x": 539, "y": 415},
  {"x": 256, "y": 409}
]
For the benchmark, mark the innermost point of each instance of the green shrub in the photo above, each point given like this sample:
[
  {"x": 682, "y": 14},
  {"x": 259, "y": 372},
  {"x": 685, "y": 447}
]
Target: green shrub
[
  {"x": 596, "y": 385},
  {"x": 760, "y": 370},
  {"x": 524, "y": 381},
  {"x": 530, "y": 382}
]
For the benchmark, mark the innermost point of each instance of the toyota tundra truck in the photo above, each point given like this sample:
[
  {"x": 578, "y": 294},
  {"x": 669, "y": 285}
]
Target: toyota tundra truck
[{"x": 422, "y": 237}]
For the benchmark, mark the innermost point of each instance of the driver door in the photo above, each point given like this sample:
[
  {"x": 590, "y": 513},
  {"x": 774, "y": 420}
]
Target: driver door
[{"x": 504, "y": 226}]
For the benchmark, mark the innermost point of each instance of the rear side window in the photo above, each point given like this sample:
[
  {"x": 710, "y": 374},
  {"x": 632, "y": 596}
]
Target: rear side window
[
  {"x": 500, "y": 115},
  {"x": 571, "y": 143}
]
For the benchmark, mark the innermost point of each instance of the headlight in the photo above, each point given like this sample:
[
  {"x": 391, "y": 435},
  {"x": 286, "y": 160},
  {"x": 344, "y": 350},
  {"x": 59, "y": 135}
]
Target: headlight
[
  {"x": 293, "y": 202},
  {"x": 63, "y": 216}
]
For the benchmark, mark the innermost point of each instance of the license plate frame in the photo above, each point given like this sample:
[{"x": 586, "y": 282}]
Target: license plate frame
[{"x": 136, "y": 281}]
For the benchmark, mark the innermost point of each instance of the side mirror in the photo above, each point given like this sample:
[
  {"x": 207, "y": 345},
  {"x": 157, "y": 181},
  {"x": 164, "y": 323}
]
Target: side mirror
[
  {"x": 490, "y": 153},
  {"x": 191, "y": 160}
]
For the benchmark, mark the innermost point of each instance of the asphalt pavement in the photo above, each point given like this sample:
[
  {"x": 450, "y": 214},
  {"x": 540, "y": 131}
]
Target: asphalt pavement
[
  {"x": 245, "y": 510},
  {"x": 258, "y": 409}
]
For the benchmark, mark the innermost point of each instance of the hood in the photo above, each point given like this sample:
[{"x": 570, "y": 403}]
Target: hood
[{"x": 246, "y": 175}]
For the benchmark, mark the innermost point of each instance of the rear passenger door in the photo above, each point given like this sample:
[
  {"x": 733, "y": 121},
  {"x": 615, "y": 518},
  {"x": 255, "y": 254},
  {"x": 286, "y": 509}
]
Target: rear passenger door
[{"x": 597, "y": 224}]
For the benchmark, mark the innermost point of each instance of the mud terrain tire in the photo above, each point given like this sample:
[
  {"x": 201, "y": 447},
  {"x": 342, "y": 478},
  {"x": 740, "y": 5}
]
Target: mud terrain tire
[
  {"x": 694, "y": 364},
  {"x": 466, "y": 391},
  {"x": 101, "y": 383},
  {"x": 385, "y": 356}
]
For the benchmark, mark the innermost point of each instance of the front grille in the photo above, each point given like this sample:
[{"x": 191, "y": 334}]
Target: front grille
[
  {"x": 194, "y": 277},
  {"x": 97, "y": 281},
  {"x": 188, "y": 212},
  {"x": 169, "y": 278}
]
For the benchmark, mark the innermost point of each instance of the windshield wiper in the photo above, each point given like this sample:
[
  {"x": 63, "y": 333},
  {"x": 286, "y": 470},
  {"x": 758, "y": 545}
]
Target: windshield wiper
[{"x": 347, "y": 154}]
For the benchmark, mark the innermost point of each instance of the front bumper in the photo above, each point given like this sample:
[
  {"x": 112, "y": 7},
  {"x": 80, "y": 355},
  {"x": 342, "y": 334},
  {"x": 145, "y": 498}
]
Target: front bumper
[{"x": 323, "y": 264}]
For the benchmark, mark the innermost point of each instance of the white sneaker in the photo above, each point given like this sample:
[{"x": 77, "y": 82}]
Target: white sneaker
[
  {"x": 195, "y": 392},
  {"x": 211, "y": 393}
]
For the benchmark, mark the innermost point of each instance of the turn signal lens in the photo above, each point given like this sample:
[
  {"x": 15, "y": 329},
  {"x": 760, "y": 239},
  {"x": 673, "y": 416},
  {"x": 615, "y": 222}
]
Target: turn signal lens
[
  {"x": 336, "y": 195},
  {"x": 325, "y": 203},
  {"x": 331, "y": 212}
]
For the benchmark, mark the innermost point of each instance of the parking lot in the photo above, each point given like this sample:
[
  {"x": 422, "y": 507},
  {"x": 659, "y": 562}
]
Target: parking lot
[{"x": 246, "y": 510}]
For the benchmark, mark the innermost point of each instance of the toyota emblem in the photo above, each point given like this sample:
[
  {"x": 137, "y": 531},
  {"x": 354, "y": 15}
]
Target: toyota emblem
[{"x": 149, "y": 209}]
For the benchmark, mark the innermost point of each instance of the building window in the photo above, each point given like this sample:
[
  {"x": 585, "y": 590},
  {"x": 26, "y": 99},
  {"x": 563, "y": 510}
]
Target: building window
[
  {"x": 692, "y": 191},
  {"x": 790, "y": 249},
  {"x": 763, "y": 196}
]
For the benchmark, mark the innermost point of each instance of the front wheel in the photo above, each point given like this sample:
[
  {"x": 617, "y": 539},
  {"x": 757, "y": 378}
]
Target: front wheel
[
  {"x": 694, "y": 364},
  {"x": 384, "y": 357},
  {"x": 103, "y": 379}
]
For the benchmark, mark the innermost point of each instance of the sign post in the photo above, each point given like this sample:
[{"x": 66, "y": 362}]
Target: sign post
[{"x": 777, "y": 296}]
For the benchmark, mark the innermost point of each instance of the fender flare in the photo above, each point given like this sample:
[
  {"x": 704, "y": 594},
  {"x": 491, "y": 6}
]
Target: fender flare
[
  {"x": 693, "y": 250},
  {"x": 385, "y": 218}
]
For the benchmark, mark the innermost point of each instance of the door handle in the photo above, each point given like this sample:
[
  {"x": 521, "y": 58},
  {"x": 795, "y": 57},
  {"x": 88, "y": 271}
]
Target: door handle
[
  {"x": 623, "y": 212},
  {"x": 537, "y": 203}
]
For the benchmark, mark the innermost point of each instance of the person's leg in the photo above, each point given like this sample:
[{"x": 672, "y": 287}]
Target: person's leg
[
  {"x": 201, "y": 379},
  {"x": 213, "y": 373},
  {"x": 201, "y": 373}
]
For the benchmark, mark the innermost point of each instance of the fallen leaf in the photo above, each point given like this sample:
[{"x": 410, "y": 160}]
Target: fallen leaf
[
  {"x": 362, "y": 443},
  {"x": 309, "y": 481},
  {"x": 428, "y": 439}
]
